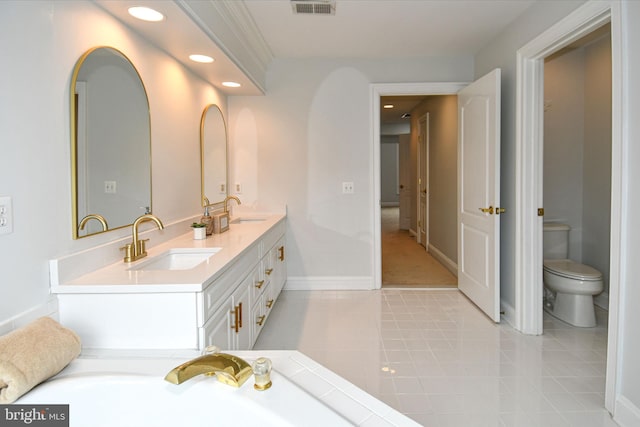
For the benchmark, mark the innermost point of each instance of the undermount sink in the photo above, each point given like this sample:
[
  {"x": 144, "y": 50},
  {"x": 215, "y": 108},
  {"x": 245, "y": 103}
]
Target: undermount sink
[
  {"x": 242, "y": 219},
  {"x": 178, "y": 259}
]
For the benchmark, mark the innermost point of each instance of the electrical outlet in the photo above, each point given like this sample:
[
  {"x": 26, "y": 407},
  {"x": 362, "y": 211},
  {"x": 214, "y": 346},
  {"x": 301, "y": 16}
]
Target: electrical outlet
[
  {"x": 238, "y": 188},
  {"x": 223, "y": 188},
  {"x": 6, "y": 217},
  {"x": 347, "y": 188},
  {"x": 110, "y": 187}
]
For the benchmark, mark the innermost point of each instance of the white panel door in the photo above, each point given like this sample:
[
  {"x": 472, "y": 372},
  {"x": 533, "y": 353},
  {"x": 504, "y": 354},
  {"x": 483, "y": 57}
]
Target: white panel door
[
  {"x": 423, "y": 181},
  {"x": 479, "y": 193},
  {"x": 404, "y": 159}
]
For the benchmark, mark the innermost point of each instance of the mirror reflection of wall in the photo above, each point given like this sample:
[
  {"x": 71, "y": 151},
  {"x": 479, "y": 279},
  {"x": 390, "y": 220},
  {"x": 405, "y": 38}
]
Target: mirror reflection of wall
[
  {"x": 213, "y": 152},
  {"x": 111, "y": 142}
]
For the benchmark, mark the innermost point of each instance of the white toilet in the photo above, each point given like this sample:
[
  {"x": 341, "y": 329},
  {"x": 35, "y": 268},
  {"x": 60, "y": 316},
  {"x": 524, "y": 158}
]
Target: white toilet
[{"x": 569, "y": 285}]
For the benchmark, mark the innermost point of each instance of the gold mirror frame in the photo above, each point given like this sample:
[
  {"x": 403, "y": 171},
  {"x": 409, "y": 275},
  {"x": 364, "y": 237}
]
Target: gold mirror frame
[
  {"x": 214, "y": 184},
  {"x": 118, "y": 188}
]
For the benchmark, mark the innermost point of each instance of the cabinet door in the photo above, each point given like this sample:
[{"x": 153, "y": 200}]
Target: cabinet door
[
  {"x": 241, "y": 333},
  {"x": 217, "y": 330},
  {"x": 257, "y": 318}
]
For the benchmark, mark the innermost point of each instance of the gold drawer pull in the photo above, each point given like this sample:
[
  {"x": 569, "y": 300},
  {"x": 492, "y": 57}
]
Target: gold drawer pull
[
  {"x": 281, "y": 250},
  {"x": 261, "y": 320},
  {"x": 259, "y": 284},
  {"x": 235, "y": 313},
  {"x": 269, "y": 303},
  {"x": 268, "y": 271}
]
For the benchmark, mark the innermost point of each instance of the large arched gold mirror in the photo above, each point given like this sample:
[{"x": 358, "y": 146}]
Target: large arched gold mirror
[
  {"x": 213, "y": 155},
  {"x": 110, "y": 143}
]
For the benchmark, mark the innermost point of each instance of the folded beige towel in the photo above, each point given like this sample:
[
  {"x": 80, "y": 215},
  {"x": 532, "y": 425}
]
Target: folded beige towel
[{"x": 32, "y": 354}]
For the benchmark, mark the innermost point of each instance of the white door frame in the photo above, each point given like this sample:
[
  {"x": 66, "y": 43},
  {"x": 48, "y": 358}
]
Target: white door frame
[
  {"x": 392, "y": 89},
  {"x": 529, "y": 144}
]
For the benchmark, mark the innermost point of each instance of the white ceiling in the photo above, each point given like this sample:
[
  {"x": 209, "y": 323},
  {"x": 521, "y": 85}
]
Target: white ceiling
[
  {"x": 376, "y": 29},
  {"x": 366, "y": 29}
]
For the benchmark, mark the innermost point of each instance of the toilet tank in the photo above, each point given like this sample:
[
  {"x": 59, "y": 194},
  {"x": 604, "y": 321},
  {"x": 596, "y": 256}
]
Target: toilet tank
[{"x": 555, "y": 240}]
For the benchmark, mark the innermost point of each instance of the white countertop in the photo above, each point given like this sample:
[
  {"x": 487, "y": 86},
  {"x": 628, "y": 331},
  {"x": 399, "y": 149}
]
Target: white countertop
[{"x": 120, "y": 278}]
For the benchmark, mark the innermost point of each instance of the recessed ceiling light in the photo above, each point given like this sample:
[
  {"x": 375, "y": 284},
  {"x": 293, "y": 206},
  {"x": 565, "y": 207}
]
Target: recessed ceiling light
[
  {"x": 201, "y": 58},
  {"x": 146, "y": 14},
  {"x": 230, "y": 84},
  {"x": 387, "y": 106}
]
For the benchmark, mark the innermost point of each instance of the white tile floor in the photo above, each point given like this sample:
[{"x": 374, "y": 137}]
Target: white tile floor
[{"x": 435, "y": 357}]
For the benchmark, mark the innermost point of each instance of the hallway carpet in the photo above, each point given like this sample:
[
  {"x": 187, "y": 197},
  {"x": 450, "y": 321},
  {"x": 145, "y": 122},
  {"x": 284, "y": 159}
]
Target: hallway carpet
[{"x": 404, "y": 262}]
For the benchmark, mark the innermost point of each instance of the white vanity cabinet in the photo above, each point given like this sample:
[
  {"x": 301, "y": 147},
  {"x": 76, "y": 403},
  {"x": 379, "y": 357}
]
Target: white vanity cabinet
[
  {"x": 245, "y": 313},
  {"x": 219, "y": 303}
]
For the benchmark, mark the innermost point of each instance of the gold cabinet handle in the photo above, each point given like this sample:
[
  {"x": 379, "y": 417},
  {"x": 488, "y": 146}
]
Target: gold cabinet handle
[
  {"x": 259, "y": 284},
  {"x": 488, "y": 210},
  {"x": 268, "y": 271},
  {"x": 240, "y": 316},
  {"x": 281, "y": 250},
  {"x": 261, "y": 320},
  {"x": 236, "y": 314},
  {"x": 269, "y": 303}
]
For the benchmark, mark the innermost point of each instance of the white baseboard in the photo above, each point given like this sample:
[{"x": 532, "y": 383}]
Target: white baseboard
[
  {"x": 602, "y": 300},
  {"x": 509, "y": 315},
  {"x": 444, "y": 260},
  {"x": 626, "y": 413},
  {"x": 327, "y": 283},
  {"x": 49, "y": 308}
]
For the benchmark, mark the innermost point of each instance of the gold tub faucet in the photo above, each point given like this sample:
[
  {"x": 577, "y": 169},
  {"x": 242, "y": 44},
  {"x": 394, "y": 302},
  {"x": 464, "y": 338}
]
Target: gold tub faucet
[
  {"x": 136, "y": 249},
  {"x": 229, "y": 369}
]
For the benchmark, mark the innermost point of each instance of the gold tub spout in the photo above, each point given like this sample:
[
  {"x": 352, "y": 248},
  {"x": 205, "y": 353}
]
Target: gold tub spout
[{"x": 229, "y": 369}]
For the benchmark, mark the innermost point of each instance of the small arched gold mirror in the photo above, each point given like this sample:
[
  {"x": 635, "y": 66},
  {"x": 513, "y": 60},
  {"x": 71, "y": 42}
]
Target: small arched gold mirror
[
  {"x": 110, "y": 143},
  {"x": 213, "y": 155}
]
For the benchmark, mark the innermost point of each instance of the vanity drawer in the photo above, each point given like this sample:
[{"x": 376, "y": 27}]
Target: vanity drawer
[{"x": 223, "y": 286}]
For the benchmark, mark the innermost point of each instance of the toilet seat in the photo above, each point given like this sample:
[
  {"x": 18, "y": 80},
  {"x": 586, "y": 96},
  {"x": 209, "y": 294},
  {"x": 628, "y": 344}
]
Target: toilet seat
[{"x": 571, "y": 270}]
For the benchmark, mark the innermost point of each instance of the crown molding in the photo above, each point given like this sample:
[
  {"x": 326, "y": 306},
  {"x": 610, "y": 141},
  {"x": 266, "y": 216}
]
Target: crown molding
[{"x": 229, "y": 24}]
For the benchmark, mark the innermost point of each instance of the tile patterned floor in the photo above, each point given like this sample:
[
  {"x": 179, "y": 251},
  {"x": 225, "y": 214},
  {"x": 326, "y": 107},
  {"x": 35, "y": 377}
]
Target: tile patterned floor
[{"x": 435, "y": 357}]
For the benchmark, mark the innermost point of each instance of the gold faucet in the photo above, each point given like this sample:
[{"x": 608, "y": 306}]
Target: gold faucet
[
  {"x": 230, "y": 370},
  {"x": 136, "y": 249},
  {"x": 226, "y": 201},
  {"x": 97, "y": 217}
]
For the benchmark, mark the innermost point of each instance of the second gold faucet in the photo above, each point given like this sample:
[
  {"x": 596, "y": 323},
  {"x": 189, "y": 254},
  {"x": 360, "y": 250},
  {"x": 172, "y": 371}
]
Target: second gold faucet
[{"x": 136, "y": 249}]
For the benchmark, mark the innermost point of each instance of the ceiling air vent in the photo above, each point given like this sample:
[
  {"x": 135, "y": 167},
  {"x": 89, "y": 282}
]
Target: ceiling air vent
[{"x": 314, "y": 7}]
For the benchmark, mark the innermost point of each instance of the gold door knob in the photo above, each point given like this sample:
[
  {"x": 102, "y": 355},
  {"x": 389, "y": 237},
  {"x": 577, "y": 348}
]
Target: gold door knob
[
  {"x": 500, "y": 211},
  {"x": 488, "y": 210}
]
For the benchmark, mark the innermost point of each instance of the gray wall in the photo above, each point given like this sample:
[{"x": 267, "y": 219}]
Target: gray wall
[{"x": 315, "y": 127}]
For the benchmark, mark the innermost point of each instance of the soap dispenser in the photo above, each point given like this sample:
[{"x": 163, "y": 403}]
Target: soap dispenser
[{"x": 206, "y": 219}]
